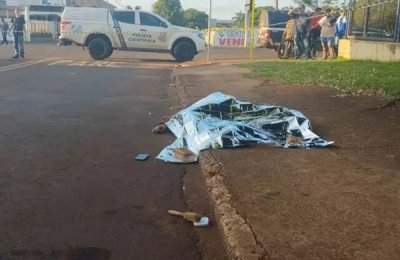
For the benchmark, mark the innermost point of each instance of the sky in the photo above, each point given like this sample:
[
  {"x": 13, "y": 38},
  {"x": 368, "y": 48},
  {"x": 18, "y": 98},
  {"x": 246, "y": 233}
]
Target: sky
[{"x": 221, "y": 9}]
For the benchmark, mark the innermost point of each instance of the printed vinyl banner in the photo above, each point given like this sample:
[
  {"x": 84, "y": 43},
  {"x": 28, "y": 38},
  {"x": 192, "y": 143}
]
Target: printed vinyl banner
[{"x": 231, "y": 38}]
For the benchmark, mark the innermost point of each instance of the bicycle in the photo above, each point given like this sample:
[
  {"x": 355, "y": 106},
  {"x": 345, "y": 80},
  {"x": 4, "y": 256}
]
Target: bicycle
[{"x": 285, "y": 49}]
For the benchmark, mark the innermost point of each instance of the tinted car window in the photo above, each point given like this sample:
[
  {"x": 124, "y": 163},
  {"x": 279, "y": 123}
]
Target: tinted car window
[
  {"x": 125, "y": 17},
  {"x": 150, "y": 20}
]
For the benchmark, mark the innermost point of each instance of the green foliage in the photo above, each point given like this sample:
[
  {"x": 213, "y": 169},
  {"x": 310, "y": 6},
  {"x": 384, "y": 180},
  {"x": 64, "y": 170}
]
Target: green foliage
[
  {"x": 257, "y": 13},
  {"x": 275, "y": 16},
  {"x": 308, "y": 3},
  {"x": 348, "y": 76},
  {"x": 329, "y": 4},
  {"x": 382, "y": 18},
  {"x": 323, "y": 3},
  {"x": 170, "y": 10},
  {"x": 239, "y": 19},
  {"x": 194, "y": 18},
  {"x": 344, "y": 5}
]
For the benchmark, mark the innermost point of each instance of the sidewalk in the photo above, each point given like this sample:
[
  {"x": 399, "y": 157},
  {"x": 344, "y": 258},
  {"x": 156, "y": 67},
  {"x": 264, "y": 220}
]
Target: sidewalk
[{"x": 337, "y": 203}]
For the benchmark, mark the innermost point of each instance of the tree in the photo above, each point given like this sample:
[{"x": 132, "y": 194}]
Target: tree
[
  {"x": 344, "y": 5},
  {"x": 239, "y": 19},
  {"x": 308, "y": 3},
  {"x": 257, "y": 14},
  {"x": 194, "y": 18},
  {"x": 170, "y": 10},
  {"x": 329, "y": 3}
]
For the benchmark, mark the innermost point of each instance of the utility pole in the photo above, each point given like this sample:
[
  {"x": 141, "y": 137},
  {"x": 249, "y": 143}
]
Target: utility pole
[
  {"x": 209, "y": 31},
  {"x": 252, "y": 2},
  {"x": 247, "y": 8}
]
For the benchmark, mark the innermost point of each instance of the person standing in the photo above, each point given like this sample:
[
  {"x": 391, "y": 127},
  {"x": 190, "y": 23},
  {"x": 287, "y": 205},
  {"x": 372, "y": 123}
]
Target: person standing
[
  {"x": 327, "y": 24},
  {"x": 340, "y": 30},
  {"x": 289, "y": 31},
  {"x": 315, "y": 30},
  {"x": 18, "y": 29},
  {"x": 301, "y": 37},
  {"x": 4, "y": 31}
]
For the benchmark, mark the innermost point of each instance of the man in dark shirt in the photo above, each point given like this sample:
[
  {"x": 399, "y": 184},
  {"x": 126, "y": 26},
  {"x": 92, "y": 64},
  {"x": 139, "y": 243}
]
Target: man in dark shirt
[
  {"x": 302, "y": 30},
  {"x": 4, "y": 31},
  {"x": 18, "y": 29}
]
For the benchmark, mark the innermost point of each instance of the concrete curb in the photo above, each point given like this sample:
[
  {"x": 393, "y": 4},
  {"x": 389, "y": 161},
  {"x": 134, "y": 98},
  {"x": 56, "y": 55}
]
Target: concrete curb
[{"x": 239, "y": 239}]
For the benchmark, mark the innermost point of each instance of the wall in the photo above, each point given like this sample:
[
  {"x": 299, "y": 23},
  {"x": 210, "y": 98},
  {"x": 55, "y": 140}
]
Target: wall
[{"x": 369, "y": 50}]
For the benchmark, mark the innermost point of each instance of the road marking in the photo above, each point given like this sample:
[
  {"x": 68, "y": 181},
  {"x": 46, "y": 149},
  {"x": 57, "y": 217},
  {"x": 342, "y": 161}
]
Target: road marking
[
  {"x": 107, "y": 64},
  {"x": 16, "y": 65},
  {"x": 85, "y": 63},
  {"x": 19, "y": 65},
  {"x": 88, "y": 63}
]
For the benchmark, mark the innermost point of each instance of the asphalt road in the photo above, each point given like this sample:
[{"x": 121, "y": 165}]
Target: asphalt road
[
  {"x": 69, "y": 185},
  {"x": 43, "y": 50}
]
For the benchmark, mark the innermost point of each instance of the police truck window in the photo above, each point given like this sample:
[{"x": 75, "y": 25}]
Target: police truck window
[
  {"x": 149, "y": 20},
  {"x": 125, "y": 17}
]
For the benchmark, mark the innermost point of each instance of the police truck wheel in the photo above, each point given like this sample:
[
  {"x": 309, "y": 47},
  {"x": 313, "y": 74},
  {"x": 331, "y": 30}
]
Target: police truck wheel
[
  {"x": 99, "y": 48},
  {"x": 110, "y": 53},
  {"x": 184, "y": 51}
]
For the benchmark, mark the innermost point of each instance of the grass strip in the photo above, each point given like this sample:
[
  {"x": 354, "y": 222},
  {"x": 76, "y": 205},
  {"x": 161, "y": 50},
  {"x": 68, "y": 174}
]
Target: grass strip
[{"x": 352, "y": 77}]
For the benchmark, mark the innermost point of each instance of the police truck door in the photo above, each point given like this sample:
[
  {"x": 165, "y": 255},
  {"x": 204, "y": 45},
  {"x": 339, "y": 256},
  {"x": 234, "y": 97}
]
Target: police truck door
[
  {"x": 124, "y": 27},
  {"x": 155, "y": 32}
]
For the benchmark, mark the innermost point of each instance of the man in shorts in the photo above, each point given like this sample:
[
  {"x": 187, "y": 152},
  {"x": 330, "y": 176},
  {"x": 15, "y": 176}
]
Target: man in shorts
[{"x": 327, "y": 24}]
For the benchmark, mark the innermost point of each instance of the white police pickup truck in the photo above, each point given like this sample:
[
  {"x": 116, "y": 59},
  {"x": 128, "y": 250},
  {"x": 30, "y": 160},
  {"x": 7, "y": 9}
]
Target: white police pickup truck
[{"x": 104, "y": 30}]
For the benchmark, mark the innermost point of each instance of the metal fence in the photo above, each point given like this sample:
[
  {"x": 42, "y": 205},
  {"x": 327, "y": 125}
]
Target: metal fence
[{"x": 375, "y": 20}]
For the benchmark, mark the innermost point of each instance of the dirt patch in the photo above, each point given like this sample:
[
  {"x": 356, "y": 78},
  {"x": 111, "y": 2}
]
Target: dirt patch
[
  {"x": 81, "y": 253},
  {"x": 89, "y": 253},
  {"x": 337, "y": 203},
  {"x": 391, "y": 105}
]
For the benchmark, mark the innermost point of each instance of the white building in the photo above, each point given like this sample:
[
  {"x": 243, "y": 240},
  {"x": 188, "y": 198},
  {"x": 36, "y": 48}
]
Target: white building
[
  {"x": 42, "y": 16},
  {"x": 14, "y": 3}
]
